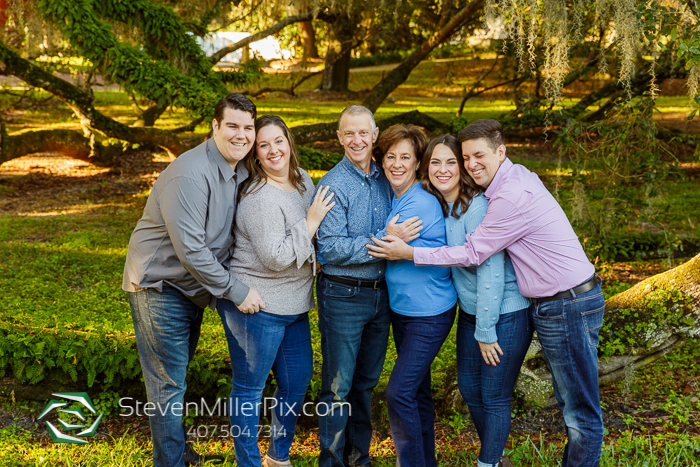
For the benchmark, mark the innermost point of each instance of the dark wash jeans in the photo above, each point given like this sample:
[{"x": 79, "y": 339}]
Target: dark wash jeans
[
  {"x": 488, "y": 390},
  {"x": 411, "y": 414},
  {"x": 568, "y": 331},
  {"x": 167, "y": 326},
  {"x": 258, "y": 343},
  {"x": 354, "y": 324}
]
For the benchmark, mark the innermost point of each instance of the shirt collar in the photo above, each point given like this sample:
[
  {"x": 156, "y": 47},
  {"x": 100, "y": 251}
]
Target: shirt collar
[
  {"x": 227, "y": 172},
  {"x": 500, "y": 173},
  {"x": 373, "y": 169}
]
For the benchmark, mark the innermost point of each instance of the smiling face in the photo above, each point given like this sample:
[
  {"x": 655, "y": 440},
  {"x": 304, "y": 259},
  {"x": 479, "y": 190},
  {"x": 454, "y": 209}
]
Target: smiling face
[
  {"x": 400, "y": 165},
  {"x": 273, "y": 151},
  {"x": 234, "y": 135},
  {"x": 481, "y": 161},
  {"x": 357, "y": 136},
  {"x": 443, "y": 172}
]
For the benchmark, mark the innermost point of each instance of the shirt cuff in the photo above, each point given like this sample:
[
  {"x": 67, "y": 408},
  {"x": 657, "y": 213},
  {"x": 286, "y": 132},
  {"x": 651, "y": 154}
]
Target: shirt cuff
[
  {"x": 421, "y": 255},
  {"x": 487, "y": 336},
  {"x": 238, "y": 292}
]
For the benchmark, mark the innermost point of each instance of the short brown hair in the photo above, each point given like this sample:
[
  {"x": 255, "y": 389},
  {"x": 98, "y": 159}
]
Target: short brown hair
[
  {"x": 467, "y": 187},
  {"x": 397, "y": 133},
  {"x": 234, "y": 101},
  {"x": 490, "y": 130}
]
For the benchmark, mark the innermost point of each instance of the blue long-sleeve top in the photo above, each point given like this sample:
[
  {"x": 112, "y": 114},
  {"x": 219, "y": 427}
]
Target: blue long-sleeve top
[
  {"x": 488, "y": 290},
  {"x": 420, "y": 290},
  {"x": 362, "y": 204}
]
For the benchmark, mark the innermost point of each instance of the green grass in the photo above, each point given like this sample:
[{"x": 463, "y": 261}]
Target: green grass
[{"x": 18, "y": 447}]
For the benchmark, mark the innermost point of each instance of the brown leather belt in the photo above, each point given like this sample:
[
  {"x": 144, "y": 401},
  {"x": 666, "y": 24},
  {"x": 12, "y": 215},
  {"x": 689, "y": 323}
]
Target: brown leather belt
[
  {"x": 378, "y": 284},
  {"x": 578, "y": 290}
]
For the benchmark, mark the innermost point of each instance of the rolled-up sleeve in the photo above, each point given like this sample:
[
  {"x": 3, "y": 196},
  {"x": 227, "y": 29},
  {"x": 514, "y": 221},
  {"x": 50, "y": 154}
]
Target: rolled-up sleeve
[{"x": 183, "y": 206}]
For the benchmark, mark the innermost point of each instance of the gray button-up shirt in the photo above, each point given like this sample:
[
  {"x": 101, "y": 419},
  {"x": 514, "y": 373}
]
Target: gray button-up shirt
[{"x": 185, "y": 237}]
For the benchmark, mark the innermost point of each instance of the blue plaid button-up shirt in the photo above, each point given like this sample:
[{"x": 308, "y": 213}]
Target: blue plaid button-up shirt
[{"x": 362, "y": 205}]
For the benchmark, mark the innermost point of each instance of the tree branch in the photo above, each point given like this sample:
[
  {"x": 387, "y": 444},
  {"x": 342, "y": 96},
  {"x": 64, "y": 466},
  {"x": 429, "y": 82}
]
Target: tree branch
[
  {"x": 305, "y": 134},
  {"x": 221, "y": 53},
  {"x": 81, "y": 102},
  {"x": 400, "y": 74}
]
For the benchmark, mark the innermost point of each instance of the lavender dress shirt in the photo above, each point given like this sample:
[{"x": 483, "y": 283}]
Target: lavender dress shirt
[{"x": 524, "y": 219}]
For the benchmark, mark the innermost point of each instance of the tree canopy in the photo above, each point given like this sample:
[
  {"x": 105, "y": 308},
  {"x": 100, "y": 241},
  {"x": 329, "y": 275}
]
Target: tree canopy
[{"x": 149, "y": 48}]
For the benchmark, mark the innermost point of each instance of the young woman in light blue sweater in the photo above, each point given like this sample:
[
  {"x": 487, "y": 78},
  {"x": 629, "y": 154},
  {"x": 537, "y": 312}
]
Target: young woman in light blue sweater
[{"x": 493, "y": 332}]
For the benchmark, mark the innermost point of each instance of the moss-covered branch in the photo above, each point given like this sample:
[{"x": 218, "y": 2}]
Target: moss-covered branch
[
  {"x": 130, "y": 66},
  {"x": 81, "y": 102},
  {"x": 165, "y": 35},
  {"x": 641, "y": 325},
  {"x": 66, "y": 142}
]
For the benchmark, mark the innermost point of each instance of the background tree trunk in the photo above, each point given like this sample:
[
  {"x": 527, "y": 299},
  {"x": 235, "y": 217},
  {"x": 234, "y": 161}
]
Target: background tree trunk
[
  {"x": 308, "y": 39},
  {"x": 336, "y": 73}
]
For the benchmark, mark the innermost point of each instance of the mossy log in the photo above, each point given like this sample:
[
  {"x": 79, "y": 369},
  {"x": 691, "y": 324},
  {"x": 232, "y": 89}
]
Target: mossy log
[
  {"x": 65, "y": 142},
  {"x": 642, "y": 324}
]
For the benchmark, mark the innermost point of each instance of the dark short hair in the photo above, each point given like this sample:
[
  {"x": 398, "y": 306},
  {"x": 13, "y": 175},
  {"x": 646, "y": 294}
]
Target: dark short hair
[
  {"x": 234, "y": 101},
  {"x": 490, "y": 130},
  {"x": 397, "y": 133},
  {"x": 467, "y": 187}
]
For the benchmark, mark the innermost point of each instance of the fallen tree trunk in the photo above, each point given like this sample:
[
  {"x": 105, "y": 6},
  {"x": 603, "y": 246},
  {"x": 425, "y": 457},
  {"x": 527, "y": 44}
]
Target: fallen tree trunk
[
  {"x": 642, "y": 324},
  {"x": 66, "y": 142},
  {"x": 326, "y": 131}
]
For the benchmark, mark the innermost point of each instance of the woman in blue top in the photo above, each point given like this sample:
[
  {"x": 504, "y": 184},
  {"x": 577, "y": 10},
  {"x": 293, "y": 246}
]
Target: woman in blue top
[
  {"x": 422, "y": 299},
  {"x": 493, "y": 332}
]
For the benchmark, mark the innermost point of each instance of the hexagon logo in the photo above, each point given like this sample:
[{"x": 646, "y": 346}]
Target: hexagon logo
[{"x": 83, "y": 399}]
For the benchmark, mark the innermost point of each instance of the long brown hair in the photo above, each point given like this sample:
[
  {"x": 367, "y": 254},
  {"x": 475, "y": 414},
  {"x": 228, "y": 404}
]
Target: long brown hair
[
  {"x": 258, "y": 177},
  {"x": 467, "y": 187}
]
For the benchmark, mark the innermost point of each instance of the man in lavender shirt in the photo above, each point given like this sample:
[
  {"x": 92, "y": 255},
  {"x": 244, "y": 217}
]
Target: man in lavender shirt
[{"x": 552, "y": 269}]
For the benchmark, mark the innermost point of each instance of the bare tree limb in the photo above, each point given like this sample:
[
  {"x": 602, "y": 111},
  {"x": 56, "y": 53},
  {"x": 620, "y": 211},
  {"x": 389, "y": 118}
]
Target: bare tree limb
[
  {"x": 289, "y": 90},
  {"x": 189, "y": 127},
  {"x": 221, "y": 53}
]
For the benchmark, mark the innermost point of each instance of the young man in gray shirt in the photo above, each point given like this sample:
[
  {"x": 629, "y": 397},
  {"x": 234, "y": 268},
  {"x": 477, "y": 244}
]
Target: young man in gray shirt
[{"x": 176, "y": 266}]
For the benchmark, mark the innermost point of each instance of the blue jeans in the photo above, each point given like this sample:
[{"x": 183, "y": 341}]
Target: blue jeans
[
  {"x": 258, "y": 343},
  {"x": 568, "y": 331},
  {"x": 354, "y": 324},
  {"x": 488, "y": 390},
  {"x": 409, "y": 400},
  {"x": 167, "y": 326}
]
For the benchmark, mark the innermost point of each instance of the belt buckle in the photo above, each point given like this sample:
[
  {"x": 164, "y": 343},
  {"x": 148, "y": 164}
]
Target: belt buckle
[{"x": 374, "y": 286}]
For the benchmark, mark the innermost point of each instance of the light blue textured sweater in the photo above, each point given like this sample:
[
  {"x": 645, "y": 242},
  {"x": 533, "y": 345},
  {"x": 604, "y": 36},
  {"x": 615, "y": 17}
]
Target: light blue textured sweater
[{"x": 488, "y": 290}]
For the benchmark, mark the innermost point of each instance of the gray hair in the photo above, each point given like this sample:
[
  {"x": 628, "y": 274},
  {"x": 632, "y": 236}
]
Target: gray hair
[{"x": 355, "y": 110}]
